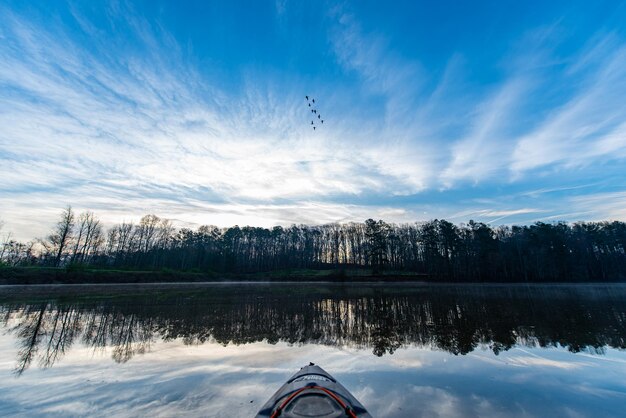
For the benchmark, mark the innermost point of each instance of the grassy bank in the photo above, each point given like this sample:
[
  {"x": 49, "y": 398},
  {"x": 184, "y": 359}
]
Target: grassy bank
[{"x": 50, "y": 275}]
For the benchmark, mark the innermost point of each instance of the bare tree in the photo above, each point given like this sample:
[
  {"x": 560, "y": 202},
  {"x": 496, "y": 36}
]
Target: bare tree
[
  {"x": 16, "y": 253},
  {"x": 147, "y": 232},
  {"x": 4, "y": 242},
  {"x": 61, "y": 236},
  {"x": 120, "y": 242},
  {"x": 88, "y": 237},
  {"x": 165, "y": 231}
]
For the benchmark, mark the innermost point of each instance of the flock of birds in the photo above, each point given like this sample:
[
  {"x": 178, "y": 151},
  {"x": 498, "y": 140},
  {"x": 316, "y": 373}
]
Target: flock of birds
[{"x": 311, "y": 103}]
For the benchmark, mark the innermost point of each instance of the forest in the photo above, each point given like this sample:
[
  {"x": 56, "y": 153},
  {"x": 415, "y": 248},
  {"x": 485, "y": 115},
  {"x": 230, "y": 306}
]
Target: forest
[{"x": 435, "y": 250}]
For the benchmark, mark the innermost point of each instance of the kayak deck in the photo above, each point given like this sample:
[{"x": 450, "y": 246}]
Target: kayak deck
[{"x": 313, "y": 393}]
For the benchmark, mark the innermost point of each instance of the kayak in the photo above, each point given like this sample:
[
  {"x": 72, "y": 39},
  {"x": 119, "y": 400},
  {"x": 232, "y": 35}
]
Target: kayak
[{"x": 312, "y": 393}]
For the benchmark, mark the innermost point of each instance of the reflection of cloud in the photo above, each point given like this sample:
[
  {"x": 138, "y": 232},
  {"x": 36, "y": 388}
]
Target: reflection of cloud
[
  {"x": 543, "y": 362},
  {"x": 417, "y": 401},
  {"x": 210, "y": 379},
  {"x": 406, "y": 363}
]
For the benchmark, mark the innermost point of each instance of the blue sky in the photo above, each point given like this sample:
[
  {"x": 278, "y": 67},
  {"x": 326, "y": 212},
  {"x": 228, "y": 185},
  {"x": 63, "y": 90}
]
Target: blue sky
[{"x": 503, "y": 112}]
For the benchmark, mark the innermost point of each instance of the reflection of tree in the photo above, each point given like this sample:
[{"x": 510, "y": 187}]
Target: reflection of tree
[
  {"x": 29, "y": 333},
  {"x": 62, "y": 331},
  {"x": 379, "y": 319},
  {"x": 123, "y": 338},
  {"x": 127, "y": 333},
  {"x": 385, "y": 338}
]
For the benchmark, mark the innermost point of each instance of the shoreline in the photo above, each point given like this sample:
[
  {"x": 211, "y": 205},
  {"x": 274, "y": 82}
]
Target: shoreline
[
  {"x": 307, "y": 283},
  {"x": 46, "y": 276}
]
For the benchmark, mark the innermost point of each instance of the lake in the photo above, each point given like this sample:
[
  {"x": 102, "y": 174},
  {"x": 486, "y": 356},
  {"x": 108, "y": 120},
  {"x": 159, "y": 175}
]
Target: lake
[{"x": 402, "y": 349}]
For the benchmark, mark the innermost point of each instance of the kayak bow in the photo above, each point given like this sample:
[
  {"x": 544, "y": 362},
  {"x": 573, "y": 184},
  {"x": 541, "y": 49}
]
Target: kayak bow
[{"x": 313, "y": 393}]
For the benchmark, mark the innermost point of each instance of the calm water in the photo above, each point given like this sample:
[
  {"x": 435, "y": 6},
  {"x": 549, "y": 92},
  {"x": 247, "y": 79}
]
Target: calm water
[{"x": 223, "y": 349}]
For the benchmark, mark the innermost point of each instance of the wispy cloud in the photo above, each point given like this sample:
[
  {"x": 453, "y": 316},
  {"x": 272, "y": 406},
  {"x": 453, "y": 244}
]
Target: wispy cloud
[
  {"x": 602, "y": 206},
  {"x": 499, "y": 133},
  {"x": 115, "y": 115},
  {"x": 589, "y": 124},
  {"x": 478, "y": 156},
  {"x": 86, "y": 126}
]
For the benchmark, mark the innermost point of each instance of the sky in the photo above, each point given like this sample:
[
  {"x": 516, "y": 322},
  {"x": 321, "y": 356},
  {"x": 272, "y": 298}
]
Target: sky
[{"x": 498, "y": 111}]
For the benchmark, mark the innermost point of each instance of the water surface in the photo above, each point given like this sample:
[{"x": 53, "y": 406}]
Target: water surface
[{"x": 223, "y": 349}]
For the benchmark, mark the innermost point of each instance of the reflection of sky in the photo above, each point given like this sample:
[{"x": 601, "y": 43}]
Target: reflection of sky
[{"x": 212, "y": 380}]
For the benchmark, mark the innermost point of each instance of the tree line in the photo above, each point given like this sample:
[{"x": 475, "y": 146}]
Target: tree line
[{"x": 437, "y": 249}]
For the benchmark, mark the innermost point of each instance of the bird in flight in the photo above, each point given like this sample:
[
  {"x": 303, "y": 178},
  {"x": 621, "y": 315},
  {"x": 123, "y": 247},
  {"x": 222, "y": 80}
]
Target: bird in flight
[{"x": 310, "y": 101}]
